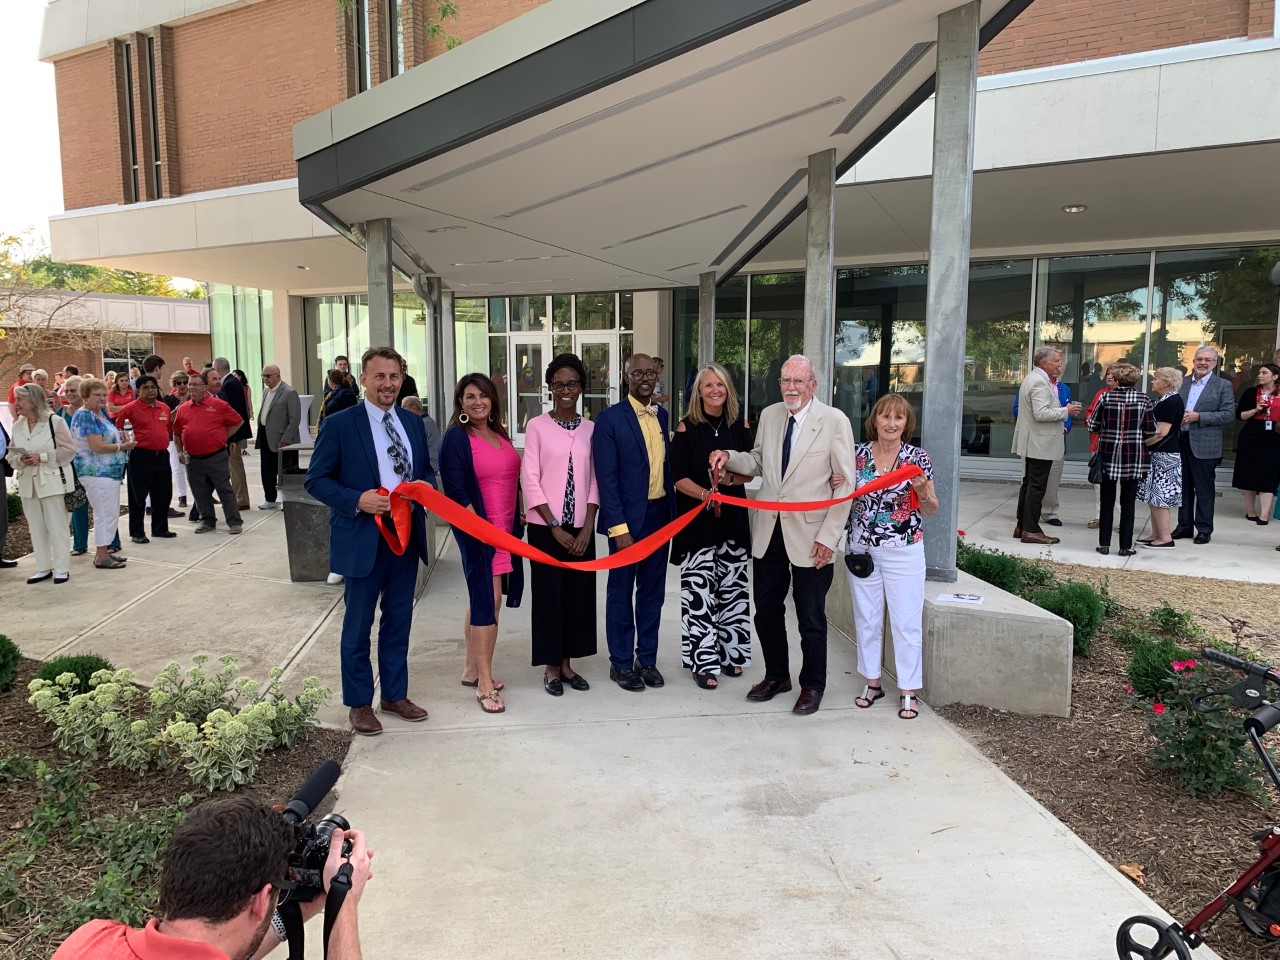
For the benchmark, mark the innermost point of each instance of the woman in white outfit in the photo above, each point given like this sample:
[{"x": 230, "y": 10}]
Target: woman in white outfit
[
  {"x": 100, "y": 462},
  {"x": 887, "y": 525},
  {"x": 40, "y": 453}
]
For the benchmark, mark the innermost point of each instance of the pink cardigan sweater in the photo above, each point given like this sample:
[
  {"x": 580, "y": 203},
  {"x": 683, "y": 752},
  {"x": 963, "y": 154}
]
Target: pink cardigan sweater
[{"x": 545, "y": 467}]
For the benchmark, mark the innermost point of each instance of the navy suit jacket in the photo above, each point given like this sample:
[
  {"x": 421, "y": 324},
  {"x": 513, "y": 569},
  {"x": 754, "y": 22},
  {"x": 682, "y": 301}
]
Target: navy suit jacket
[
  {"x": 232, "y": 391},
  {"x": 621, "y": 462},
  {"x": 344, "y": 464}
]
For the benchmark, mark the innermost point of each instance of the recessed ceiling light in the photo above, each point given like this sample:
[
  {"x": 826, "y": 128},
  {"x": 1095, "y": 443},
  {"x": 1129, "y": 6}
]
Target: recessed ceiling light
[
  {"x": 1074, "y": 208},
  {"x": 303, "y": 267}
]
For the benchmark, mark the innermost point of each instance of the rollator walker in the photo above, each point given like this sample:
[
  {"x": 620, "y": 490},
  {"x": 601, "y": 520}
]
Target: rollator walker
[{"x": 1255, "y": 894}]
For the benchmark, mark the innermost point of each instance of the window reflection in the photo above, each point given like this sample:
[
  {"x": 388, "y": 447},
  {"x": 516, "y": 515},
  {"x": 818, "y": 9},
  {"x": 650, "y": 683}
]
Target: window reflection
[{"x": 777, "y": 331}]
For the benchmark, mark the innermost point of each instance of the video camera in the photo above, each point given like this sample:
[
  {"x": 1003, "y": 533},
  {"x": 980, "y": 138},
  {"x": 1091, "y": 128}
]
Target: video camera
[{"x": 306, "y": 863}]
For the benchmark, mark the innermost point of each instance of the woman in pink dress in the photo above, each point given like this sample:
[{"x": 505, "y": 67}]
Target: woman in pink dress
[{"x": 480, "y": 469}]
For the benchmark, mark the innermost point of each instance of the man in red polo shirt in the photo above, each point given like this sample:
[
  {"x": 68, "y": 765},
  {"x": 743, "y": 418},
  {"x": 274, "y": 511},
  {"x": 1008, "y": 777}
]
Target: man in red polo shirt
[
  {"x": 222, "y": 879},
  {"x": 149, "y": 473},
  {"x": 24, "y": 377},
  {"x": 202, "y": 428}
]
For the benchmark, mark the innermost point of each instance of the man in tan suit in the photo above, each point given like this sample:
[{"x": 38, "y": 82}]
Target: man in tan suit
[
  {"x": 1037, "y": 438},
  {"x": 800, "y": 443}
]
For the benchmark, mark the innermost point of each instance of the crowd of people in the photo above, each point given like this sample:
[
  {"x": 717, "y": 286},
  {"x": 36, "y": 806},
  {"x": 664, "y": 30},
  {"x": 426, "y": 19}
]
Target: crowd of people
[
  {"x": 625, "y": 475},
  {"x": 1162, "y": 449}
]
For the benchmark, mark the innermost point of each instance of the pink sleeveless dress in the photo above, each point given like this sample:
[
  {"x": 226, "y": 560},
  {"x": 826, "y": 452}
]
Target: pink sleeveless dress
[{"x": 498, "y": 472}]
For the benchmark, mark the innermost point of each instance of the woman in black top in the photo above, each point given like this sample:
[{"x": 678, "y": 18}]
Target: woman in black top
[
  {"x": 1257, "y": 471},
  {"x": 1162, "y": 487},
  {"x": 712, "y": 551}
]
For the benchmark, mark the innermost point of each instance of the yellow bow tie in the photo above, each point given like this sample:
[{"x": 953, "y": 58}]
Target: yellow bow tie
[{"x": 647, "y": 411}]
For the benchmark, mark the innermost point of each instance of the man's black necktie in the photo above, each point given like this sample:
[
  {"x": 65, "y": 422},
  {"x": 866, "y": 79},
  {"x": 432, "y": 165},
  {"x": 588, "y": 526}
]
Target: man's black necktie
[{"x": 786, "y": 446}]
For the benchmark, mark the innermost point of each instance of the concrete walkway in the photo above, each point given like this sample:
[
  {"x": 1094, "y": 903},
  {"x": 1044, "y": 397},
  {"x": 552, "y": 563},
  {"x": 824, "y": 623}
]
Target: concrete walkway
[{"x": 671, "y": 823}]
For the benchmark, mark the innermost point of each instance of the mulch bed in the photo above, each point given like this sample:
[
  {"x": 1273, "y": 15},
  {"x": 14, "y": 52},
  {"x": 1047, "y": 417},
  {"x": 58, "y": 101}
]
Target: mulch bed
[
  {"x": 22, "y": 731},
  {"x": 1091, "y": 771}
]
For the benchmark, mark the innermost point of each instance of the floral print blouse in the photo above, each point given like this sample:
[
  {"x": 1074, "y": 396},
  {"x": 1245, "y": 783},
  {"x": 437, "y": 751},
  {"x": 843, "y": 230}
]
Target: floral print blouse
[
  {"x": 886, "y": 518},
  {"x": 88, "y": 463}
]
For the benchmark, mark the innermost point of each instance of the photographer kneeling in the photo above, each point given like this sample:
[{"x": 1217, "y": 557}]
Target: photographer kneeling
[{"x": 222, "y": 879}]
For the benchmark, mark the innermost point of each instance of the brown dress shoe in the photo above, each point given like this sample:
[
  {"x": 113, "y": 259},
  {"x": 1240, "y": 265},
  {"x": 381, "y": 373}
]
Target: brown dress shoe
[
  {"x": 364, "y": 722},
  {"x": 404, "y": 709},
  {"x": 808, "y": 701},
  {"x": 768, "y": 688},
  {"x": 1040, "y": 538},
  {"x": 1017, "y": 533}
]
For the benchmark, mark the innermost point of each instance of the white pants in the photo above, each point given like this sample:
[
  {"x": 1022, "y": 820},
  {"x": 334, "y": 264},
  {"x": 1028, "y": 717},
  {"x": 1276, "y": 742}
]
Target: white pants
[
  {"x": 179, "y": 471},
  {"x": 104, "y": 498},
  {"x": 898, "y": 582},
  {"x": 49, "y": 525}
]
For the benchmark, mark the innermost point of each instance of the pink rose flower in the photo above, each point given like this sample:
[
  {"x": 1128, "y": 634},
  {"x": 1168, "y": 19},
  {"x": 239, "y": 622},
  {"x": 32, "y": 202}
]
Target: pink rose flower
[{"x": 1157, "y": 707}]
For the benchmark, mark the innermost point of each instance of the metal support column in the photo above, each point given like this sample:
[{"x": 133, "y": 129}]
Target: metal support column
[
  {"x": 819, "y": 317},
  {"x": 706, "y": 318},
  {"x": 948, "y": 297},
  {"x": 377, "y": 252}
]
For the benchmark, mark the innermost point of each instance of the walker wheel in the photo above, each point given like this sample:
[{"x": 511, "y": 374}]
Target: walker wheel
[
  {"x": 1253, "y": 897},
  {"x": 1155, "y": 942}
]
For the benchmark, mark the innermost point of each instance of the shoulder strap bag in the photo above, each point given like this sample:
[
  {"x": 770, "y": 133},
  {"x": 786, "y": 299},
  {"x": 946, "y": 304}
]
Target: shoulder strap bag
[{"x": 76, "y": 497}]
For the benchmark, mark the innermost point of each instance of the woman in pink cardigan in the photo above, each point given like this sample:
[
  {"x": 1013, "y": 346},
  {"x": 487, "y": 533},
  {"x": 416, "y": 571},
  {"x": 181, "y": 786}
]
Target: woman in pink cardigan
[{"x": 561, "y": 501}]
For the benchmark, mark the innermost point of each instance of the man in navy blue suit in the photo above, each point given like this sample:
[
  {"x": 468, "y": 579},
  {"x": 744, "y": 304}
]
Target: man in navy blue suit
[
  {"x": 361, "y": 453},
  {"x": 630, "y": 449}
]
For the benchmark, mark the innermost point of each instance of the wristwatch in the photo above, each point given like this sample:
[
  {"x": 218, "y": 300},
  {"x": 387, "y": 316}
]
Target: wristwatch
[{"x": 554, "y": 523}]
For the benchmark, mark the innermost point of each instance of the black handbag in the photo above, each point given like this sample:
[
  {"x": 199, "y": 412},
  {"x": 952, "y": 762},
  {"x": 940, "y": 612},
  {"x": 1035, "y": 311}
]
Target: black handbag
[
  {"x": 859, "y": 564},
  {"x": 76, "y": 497},
  {"x": 1096, "y": 475}
]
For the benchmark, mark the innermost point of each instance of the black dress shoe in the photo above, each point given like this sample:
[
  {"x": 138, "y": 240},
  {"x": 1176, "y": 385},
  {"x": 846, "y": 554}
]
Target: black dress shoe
[
  {"x": 167, "y": 535},
  {"x": 1181, "y": 534},
  {"x": 768, "y": 688},
  {"x": 650, "y": 676},
  {"x": 1054, "y": 522},
  {"x": 41, "y": 578},
  {"x": 808, "y": 702},
  {"x": 1127, "y": 553},
  {"x": 577, "y": 681},
  {"x": 8, "y": 564},
  {"x": 553, "y": 686},
  {"x": 627, "y": 679},
  {"x": 1201, "y": 538},
  {"x": 139, "y": 540}
]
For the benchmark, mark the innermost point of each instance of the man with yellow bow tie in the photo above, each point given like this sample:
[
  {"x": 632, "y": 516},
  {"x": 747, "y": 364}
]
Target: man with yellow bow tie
[{"x": 630, "y": 448}]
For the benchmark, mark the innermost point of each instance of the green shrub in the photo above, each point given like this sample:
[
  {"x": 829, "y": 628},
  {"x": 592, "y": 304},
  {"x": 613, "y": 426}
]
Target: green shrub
[
  {"x": 10, "y": 657},
  {"x": 1209, "y": 752},
  {"x": 1151, "y": 671},
  {"x": 1002, "y": 570},
  {"x": 1110, "y": 605},
  {"x": 13, "y": 503},
  {"x": 1077, "y": 603},
  {"x": 1171, "y": 622},
  {"x": 83, "y": 665},
  {"x": 1129, "y": 637}
]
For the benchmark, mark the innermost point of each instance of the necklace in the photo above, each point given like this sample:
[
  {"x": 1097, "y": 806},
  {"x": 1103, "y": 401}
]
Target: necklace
[
  {"x": 877, "y": 455},
  {"x": 715, "y": 427}
]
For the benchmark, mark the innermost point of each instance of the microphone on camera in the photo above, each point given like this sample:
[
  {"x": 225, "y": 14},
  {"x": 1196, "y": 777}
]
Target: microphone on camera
[{"x": 312, "y": 792}]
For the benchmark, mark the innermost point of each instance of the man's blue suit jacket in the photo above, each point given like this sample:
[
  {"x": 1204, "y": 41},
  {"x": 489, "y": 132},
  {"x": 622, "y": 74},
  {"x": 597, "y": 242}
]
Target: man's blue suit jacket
[
  {"x": 344, "y": 465},
  {"x": 621, "y": 462}
]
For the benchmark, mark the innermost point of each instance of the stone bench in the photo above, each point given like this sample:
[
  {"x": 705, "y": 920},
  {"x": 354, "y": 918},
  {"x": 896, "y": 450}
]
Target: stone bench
[{"x": 1005, "y": 653}]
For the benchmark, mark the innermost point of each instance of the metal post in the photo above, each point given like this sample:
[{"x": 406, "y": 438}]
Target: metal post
[
  {"x": 377, "y": 252},
  {"x": 706, "y": 318},
  {"x": 948, "y": 305},
  {"x": 819, "y": 319}
]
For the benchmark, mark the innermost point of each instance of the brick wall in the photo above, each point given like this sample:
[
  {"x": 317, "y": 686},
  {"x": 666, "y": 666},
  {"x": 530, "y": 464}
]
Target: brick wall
[
  {"x": 1051, "y": 32},
  {"x": 89, "y": 125},
  {"x": 174, "y": 346},
  {"x": 242, "y": 79},
  {"x": 51, "y": 361}
]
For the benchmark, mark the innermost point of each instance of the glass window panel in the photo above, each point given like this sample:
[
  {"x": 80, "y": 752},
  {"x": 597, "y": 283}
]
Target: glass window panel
[
  {"x": 562, "y": 314},
  {"x": 596, "y": 311},
  {"x": 626, "y": 347},
  {"x": 600, "y": 377},
  {"x": 409, "y": 323},
  {"x": 1095, "y": 309},
  {"x": 222, "y": 320},
  {"x": 498, "y": 315},
  {"x": 731, "y": 337},
  {"x": 471, "y": 347},
  {"x": 562, "y": 343},
  {"x": 777, "y": 332},
  {"x": 498, "y": 373},
  {"x": 627, "y": 311},
  {"x": 528, "y": 381},
  {"x": 528, "y": 314},
  {"x": 357, "y": 330},
  {"x": 1223, "y": 298},
  {"x": 267, "y": 306},
  {"x": 999, "y": 329},
  {"x": 684, "y": 342}
]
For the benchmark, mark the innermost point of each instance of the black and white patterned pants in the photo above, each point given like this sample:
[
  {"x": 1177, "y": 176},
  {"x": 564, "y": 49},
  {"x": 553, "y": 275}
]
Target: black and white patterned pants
[{"x": 714, "y": 609}]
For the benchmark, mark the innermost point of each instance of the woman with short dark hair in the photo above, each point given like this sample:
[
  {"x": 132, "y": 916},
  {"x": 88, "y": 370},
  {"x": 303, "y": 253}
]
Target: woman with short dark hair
[
  {"x": 1257, "y": 470},
  {"x": 1123, "y": 420},
  {"x": 557, "y": 477},
  {"x": 480, "y": 469}
]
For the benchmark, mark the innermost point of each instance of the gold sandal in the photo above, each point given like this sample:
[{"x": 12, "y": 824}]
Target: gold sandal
[{"x": 484, "y": 699}]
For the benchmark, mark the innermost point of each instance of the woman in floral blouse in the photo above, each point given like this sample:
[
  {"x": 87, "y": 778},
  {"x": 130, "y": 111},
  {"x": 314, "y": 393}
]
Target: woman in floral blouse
[{"x": 887, "y": 525}]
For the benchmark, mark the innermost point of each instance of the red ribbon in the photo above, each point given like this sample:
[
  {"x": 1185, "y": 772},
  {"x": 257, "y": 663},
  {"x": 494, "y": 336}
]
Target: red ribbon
[{"x": 396, "y": 533}]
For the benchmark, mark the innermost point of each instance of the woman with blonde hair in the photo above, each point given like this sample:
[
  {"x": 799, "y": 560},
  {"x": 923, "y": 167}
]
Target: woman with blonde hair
[
  {"x": 1122, "y": 419},
  {"x": 888, "y": 526},
  {"x": 1162, "y": 488},
  {"x": 101, "y": 454},
  {"x": 40, "y": 453},
  {"x": 712, "y": 551}
]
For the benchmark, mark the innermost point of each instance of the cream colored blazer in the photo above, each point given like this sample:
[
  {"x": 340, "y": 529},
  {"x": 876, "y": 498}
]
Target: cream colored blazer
[{"x": 1038, "y": 432}]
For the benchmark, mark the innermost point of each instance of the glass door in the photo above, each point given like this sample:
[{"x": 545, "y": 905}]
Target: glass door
[
  {"x": 527, "y": 395},
  {"x": 599, "y": 353}
]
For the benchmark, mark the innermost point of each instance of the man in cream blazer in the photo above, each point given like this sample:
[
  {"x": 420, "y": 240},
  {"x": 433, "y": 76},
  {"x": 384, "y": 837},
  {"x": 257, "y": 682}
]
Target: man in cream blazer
[
  {"x": 800, "y": 443},
  {"x": 1037, "y": 438}
]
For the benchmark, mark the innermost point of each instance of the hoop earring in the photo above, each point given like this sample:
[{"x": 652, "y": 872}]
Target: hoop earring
[{"x": 463, "y": 419}]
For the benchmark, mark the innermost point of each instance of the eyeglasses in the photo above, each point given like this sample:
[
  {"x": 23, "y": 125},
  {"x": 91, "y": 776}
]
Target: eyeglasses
[
  {"x": 565, "y": 386},
  {"x": 643, "y": 374},
  {"x": 793, "y": 381},
  {"x": 397, "y": 461}
]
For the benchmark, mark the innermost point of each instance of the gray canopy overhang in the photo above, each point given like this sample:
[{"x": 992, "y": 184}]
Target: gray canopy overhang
[{"x": 620, "y": 144}]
